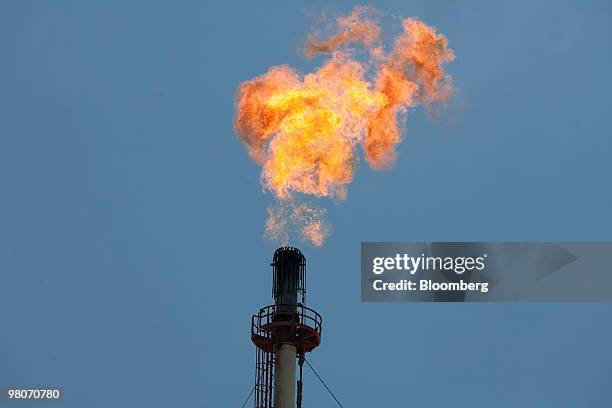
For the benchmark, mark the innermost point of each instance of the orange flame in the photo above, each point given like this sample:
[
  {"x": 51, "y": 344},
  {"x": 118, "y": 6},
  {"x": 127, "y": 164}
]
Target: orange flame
[
  {"x": 305, "y": 131},
  {"x": 357, "y": 27}
]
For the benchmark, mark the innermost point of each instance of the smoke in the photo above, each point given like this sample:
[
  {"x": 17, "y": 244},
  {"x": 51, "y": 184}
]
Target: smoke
[{"x": 305, "y": 130}]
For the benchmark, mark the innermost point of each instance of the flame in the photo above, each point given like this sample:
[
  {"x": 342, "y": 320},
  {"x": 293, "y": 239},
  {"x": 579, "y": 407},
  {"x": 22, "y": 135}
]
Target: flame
[
  {"x": 305, "y": 130},
  {"x": 357, "y": 27}
]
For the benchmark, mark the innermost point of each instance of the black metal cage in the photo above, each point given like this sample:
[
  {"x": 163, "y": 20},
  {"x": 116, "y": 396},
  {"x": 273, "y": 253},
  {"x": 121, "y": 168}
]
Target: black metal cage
[{"x": 288, "y": 276}]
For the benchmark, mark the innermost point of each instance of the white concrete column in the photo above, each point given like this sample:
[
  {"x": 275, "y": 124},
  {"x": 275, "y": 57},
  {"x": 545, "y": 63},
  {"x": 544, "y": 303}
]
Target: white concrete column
[{"x": 284, "y": 376}]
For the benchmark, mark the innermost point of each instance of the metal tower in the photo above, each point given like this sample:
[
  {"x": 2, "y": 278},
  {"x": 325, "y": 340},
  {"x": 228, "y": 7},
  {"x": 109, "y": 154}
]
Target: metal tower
[{"x": 283, "y": 332}]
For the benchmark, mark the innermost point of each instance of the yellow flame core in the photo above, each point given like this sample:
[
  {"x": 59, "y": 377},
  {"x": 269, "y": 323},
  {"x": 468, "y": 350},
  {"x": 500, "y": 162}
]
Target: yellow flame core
[{"x": 305, "y": 131}]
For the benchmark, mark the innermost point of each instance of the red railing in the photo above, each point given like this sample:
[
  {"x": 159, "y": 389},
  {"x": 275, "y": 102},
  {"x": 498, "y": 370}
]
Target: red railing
[{"x": 290, "y": 323}]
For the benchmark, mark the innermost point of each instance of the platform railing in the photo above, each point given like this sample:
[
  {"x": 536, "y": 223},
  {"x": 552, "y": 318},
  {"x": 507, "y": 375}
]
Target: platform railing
[{"x": 269, "y": 315}]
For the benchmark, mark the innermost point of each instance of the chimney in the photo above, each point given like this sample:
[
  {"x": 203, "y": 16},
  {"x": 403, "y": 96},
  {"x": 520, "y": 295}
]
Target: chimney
[{"x": 283, "y": 333}]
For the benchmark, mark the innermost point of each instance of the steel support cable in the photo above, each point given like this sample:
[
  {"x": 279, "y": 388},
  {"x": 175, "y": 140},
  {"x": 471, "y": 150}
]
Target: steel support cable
[
  {"x": 315, "y": 373},
  {"x": 252, "y": 390},
  {"x": 248, "y": 398},
  {"x": 251, "y": 393},
  {"x": 323, "y": 382}
]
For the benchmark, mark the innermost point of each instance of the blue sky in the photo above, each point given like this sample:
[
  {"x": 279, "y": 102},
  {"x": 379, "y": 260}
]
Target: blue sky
[{"x": 131, "y": 250}]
